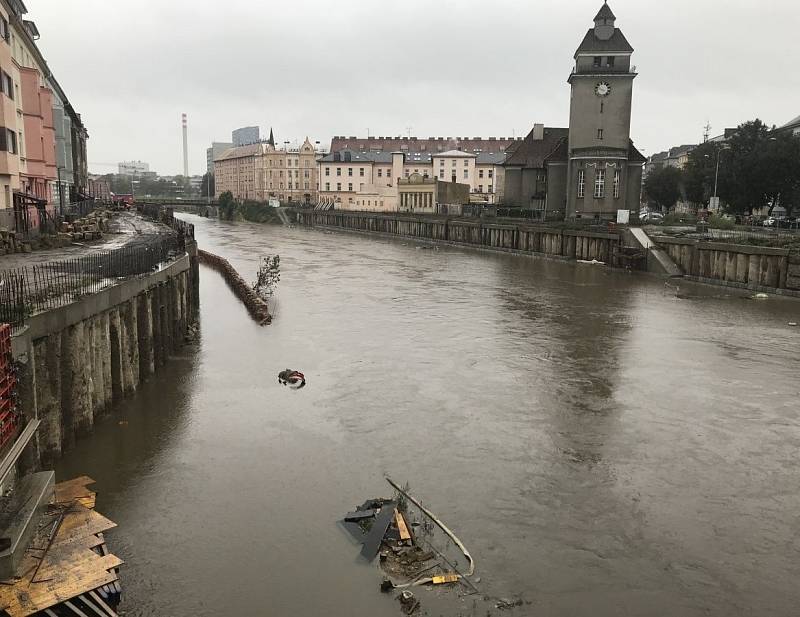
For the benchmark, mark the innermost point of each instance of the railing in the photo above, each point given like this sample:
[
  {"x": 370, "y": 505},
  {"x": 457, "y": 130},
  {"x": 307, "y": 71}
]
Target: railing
[
  {"x": 32, "y": 289},
  {"x": 165, "y": 215},
  {"x": 79, "y": 209}
]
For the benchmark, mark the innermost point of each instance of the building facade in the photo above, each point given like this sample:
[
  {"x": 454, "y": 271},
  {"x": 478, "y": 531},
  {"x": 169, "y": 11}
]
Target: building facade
[
  {"x": 430, "y": 195},
  {"x": 591, "y": 169},
  {"x": 261, "y": 172},
  {"x": 245, "y": 136},
  {"x": 42, "y": 138},
  {"x": 215, "y": 151}
]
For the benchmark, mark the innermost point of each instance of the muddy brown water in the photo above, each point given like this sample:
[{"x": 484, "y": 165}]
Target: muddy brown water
[{"x": 601, "y": 446}]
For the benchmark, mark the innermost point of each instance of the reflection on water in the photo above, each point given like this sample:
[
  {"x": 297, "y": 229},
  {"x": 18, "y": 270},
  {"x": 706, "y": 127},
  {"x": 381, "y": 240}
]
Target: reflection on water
[{"x": 601, "y": 446}]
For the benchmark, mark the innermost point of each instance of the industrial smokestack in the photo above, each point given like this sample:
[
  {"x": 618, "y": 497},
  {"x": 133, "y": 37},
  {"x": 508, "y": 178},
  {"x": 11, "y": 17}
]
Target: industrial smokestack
[{"x": 185, "y": 149}]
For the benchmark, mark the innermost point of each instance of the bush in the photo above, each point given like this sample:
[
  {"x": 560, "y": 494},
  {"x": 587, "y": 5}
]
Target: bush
[
  {"x": 678, "y": 218},
  {"x": 720, "y": 222}
]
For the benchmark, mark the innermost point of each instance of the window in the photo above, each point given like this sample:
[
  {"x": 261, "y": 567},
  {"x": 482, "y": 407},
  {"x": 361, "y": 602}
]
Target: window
[
  {"x": 441, "y": 162},
  {"x": 441, "y": 174},
  {"x": 601, "y": 107},
  {"x": 600, "y": 183},
  {"x": 480, "y": 188},
  {"x": 480, "y": 175},
  {"x": 290, "y": 186},
  {"x": 380, "y": 173},
  {"x": 597, "y": 62},
  {"x": 616, "y": 184},
  {"x": 349, "y": 171},
  {"x": 610, "y": 62},
  {"x": 581, "y": 183},
  {"x": 491, "y": 173},
  {"x": 8, "y": 141},
  {"x": 327, "y": 171},
  {"x": 338, "y": 186},
  {"x": 3, "y": 28},
  {"x": 349, "y": 186},
  {"x": 466, "y": 162},
  {"x": 490, "y": 188},
  {"x": 338, "y": 171},
  {"x": 466, "y": 174},
  {"x": 327, "y": 186},
  {"x": 453, "y": 162},
  {"x": 599, "y": 133},
  {"x": 361, "y": 172},
  {"x": 305, "y": 185},
  {"x": 7, "y": 85},
  {"x": 305, "y": 173}
]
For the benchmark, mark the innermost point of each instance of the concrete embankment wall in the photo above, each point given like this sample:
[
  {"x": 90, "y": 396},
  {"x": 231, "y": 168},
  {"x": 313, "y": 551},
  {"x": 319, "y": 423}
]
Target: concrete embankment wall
[
  {"x": 517, "y": 237},
  {"x": 258, "y": 308},
  {"x": 81, "y": 358},
  {"x": 741, "y": 265}
]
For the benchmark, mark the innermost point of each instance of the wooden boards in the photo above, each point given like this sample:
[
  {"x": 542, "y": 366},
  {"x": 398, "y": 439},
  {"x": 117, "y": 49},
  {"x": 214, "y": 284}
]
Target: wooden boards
[
  {"x": 400, "y": 520},
  {"x": 74, "y": 563}
]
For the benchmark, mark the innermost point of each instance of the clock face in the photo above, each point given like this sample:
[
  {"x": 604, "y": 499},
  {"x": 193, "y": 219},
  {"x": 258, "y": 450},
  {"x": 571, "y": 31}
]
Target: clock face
[{"x": 602, "y": 89}]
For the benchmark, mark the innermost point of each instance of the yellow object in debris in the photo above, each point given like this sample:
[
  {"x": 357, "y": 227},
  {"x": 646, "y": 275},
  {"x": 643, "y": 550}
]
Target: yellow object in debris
[{"x": 445, "y": 578}]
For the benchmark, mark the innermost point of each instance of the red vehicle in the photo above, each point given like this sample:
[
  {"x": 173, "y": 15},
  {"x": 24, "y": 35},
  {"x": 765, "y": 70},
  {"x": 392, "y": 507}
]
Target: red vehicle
[{"x": 122, "y": 199}]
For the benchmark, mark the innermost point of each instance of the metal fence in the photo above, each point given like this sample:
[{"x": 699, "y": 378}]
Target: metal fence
[{"x": 31, "y": 289}]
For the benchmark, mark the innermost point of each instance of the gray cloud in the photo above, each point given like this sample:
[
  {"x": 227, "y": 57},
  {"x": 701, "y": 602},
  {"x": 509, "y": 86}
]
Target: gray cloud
[{"x": 441, "y": 67}]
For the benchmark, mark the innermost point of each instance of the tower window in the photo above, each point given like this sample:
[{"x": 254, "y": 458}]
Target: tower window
[
  {"x": 581, "y": 183},
  {"x": 599, "y": 133},
  {"x": 610, "y": 61},
  {"x": 600, "y": 183},
  {"x": 601, "y": 107},
  {"x": 597, "y": 62},
  {"x": 616, "y": 184}
]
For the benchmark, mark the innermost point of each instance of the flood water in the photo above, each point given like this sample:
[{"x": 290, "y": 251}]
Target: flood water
[{"x": 600, "y": 445}]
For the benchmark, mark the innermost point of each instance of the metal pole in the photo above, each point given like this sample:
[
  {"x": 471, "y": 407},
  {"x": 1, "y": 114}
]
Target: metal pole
[
  {"x": 716, "y": 176},
  {"x": 60, "y": 192}
]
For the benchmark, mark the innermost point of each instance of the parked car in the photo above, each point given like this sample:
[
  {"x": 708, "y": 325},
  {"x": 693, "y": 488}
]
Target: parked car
[
  {"x": 769, "y": 222},
  {"x": 651, "y": 217}
]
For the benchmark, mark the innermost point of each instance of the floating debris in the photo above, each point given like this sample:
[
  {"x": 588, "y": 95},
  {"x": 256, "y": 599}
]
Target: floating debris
[{"x": 294, "y": 379}]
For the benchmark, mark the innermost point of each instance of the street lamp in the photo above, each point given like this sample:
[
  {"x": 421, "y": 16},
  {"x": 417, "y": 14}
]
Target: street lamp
[{"x": 714, "y": 205}]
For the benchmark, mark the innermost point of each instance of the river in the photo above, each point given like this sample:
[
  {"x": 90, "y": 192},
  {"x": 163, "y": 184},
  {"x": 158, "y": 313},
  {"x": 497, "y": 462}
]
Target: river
[{"x": 601, "y": 445}]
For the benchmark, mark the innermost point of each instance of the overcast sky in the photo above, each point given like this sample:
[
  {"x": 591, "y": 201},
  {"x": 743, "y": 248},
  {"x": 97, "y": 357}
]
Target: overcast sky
[{"x": 434, "y": 67}]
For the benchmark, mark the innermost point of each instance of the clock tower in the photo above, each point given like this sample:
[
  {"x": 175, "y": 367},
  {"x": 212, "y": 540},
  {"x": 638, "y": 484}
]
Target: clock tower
[{"x": 604, "y": 169}]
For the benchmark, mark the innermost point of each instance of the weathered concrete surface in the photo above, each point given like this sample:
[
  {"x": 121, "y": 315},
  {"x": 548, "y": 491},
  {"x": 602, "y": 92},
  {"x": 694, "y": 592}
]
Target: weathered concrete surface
[
  {"x": 517, "y": 237},
  {"x": 754, "y": 267},
  {"x": 83, "y": 357}
]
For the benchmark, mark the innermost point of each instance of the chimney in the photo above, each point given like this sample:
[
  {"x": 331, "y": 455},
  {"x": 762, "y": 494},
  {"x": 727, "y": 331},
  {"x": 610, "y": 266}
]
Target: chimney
[
  {"x": 185, "y": 148},
  {"x": 538, "y": 132}
]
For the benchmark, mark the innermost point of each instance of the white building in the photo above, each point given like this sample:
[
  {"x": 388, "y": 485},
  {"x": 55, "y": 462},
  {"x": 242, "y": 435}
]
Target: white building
[{"x": 133, "y": 168}]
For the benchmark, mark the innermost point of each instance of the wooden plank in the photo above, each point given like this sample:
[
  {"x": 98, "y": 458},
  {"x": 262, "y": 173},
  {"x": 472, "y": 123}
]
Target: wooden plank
[
  {"x": 69, "y": 490},
  {"x": 75, "y": 609},
  {"x": 101, "y": 604},
  {"x": 401, "y": 525},
  {"x": 89, "y": 603},
  {"x": 445, "y": 578}
]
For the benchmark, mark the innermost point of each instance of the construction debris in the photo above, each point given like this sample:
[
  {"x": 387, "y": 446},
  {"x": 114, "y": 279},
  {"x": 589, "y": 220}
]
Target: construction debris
[{"x": 67, "y": 569}]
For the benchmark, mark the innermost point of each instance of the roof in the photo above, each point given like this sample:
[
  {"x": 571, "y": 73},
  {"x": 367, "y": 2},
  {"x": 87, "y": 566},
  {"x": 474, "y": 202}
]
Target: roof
[
  {"x": 354, "y": 156},
  {"x": 634, "y": 156},
  {"x": 591, "y": 43},
  {"x": 415, "y": 144},
  {"x": 491, "y": 158},
  {"x": 792, "y": 123},
  {"x": 532, "y": 153},
  {"x": 239, "y": 152},
  {"x": 605, "y": 12},
  {"x": 455, "y": 153}
]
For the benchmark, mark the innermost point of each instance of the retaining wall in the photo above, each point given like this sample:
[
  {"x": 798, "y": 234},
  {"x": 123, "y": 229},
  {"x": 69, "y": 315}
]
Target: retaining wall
[
  {"x": 518, "y": 237},
  {"x": 257, "y": 307},
  {"x": 754, "y": 267},
  {"x": 79, "y": 359}
]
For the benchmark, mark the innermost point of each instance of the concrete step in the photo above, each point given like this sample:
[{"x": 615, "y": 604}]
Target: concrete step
[{"x": 657, "y": 260}]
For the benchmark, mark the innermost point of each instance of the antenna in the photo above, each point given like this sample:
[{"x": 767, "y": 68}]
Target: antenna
[
  {"x": 408, "y": 130},
  {"x": 706, "y": 131}
]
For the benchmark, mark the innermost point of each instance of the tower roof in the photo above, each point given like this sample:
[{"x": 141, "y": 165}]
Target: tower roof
[
  {"x": 617, "y": 43},
  {"x": 605, "y": 12}
]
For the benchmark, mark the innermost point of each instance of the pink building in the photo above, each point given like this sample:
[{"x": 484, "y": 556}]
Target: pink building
[{"x": 40, "y": 139}]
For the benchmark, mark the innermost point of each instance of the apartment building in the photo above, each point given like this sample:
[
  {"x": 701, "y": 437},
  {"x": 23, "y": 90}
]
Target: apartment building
[
  {"x": 357, "y": 180},
  {"x": 261, "y": 172},
  {"x": 42, "y": 138}
]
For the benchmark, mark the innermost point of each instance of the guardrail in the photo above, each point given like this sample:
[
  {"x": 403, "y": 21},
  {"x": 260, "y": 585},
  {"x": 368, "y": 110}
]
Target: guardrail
[{"x": 32, "y": 289}]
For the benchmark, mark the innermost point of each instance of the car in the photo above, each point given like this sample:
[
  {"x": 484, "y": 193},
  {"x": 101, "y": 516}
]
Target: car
[
  {"x": 769, "y": 222},
  {"x": 651, "y": 217}
]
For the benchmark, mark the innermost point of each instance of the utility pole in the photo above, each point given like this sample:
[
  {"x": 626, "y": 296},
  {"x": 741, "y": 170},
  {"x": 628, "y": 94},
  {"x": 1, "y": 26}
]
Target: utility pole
[{"x": 185, "y": 148}]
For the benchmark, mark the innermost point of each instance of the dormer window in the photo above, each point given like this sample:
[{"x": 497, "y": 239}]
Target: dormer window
[{"x": 597, "y": 62}]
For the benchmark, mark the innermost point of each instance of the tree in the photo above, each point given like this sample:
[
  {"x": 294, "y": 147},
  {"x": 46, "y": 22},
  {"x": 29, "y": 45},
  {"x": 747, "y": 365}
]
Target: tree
[
  {"x": 268, "y": 275},
  {"x": 227, "y": 206},
  {"x": 663, "y": 186},
  {"x": 698, "y": 175},
  {"x": 207, "y": 185}
]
